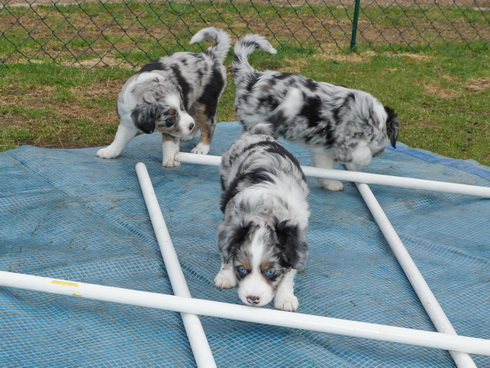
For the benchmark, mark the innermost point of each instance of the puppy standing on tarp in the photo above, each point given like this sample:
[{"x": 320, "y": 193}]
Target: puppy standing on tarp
[
  {"x": 262, "y": 240},
  {"x": 335, "y": 123},
  {"x": 176, "y": 95}
]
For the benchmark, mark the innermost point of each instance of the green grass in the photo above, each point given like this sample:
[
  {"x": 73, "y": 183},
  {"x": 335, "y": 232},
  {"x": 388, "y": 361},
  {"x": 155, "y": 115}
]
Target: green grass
[
  {"x": 441, "y": 97},
  {"x": 440, "y": 91}
]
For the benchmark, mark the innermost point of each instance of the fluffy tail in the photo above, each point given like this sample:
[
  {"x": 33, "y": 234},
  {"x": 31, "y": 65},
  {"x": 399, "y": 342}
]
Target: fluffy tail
[
  {"x": 392, "y": 126},
  {"x": 222, "y": 42},
  {"x": 244, "y": 47}
]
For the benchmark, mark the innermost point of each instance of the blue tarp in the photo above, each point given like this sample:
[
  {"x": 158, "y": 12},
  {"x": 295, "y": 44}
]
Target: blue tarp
[{"x": 66, "y": 214}]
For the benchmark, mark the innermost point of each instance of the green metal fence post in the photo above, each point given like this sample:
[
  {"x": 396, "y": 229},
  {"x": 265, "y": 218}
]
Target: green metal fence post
[{"x": 354, "y": 25}]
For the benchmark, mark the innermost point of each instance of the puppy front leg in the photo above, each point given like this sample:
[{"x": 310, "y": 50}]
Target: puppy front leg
[
  {"x": 226, "y": 278},
  {"x": 325, "y": 161},
  {"x": 123, "y": 136},
  {"x": 170, "y": 147},
  {"x": 285, "y": 298}
]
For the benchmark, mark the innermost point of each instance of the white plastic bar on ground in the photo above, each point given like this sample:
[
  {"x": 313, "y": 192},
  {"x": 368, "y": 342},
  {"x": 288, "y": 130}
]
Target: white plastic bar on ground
[
  {"x": 360, "y": 177},
  {"x": 248, "y": 314},
  {"x": 195, "y": 332},
  {"x": 427, "y": 298}
]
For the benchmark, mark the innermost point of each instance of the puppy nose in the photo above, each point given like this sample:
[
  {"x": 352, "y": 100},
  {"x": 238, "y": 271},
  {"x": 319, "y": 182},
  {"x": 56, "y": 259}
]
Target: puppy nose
[
  {"x": 191, "y": 126},
  {"x": 253, "y": 299}
]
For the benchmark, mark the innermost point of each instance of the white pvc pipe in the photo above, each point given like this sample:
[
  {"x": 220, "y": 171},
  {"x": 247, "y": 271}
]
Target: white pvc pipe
[
  {"x": 401, "y": 335},
  {"x": 195, "y": 332},
  {"x": 360, "y": 177},
  {"x": 422, "y": 289}
]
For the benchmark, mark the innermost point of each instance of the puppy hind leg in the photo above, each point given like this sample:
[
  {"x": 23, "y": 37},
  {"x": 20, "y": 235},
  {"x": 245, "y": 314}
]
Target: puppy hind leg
[
  {"x": 170, "y": 147},
  {"x": 123, "y": 136},
  {"x": 202, "y": 148},
  {"x": 325, "y": 161},
  {"x": 226, "y": 278},
  {"x": 285, "y": 299},
  {"x": 207, "y": 125}
]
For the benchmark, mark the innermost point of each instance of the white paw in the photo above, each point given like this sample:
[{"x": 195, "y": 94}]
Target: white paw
[
  {"x": 225, "y": 280},
  {"x": 107, "y": 152},
  {"x": 201, "y": 149},
  {"x": 333, "y": 185},
  {"x": 286, "y": 302},
  {"x": 171, "y": 163}
]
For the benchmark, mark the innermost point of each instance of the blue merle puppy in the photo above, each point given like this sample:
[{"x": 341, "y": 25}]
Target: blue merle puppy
[
  {"x": 176, "y": 95},
  {"x": 262, "y": 239},
  {"x": 335, "y": 123}
]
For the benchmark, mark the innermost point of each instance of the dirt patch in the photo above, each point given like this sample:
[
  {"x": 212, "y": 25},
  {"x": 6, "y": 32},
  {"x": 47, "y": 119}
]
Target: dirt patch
[
  {"x": 105, "y": 61},
  {"x": 473, "y": 85},
  {"x": 42, "y": 97},
  {"x": 445, "y": 93},
  {"x": 478, "y": 85},
  {"x": 73, "y": 123},
  {"x": 367, "y": 56},
  {"x": 106, "y": 88},
  {"x": 295, "y": 66},
  {"x": 347, "y": 58},
  {"x": 414, "y": 56}
]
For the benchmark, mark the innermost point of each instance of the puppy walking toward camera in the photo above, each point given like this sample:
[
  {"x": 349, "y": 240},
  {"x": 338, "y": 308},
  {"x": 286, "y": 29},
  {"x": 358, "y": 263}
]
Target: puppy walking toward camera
[
  {"x": 176, "y": 95},
  {"x": 262, "y": 240},
  {"x": 335, "y": 123}
]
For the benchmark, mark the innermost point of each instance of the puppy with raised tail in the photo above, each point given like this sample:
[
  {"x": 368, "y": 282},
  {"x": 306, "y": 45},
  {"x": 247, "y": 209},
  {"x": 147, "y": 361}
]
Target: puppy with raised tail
[
  {"x": 262, "y": 240},
  {"x": 335, "y": 123},
  {"x": 176, "y": 95}
]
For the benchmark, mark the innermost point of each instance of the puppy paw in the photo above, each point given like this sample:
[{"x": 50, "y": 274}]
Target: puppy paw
[
  {"x": 107, "y": 152},
  {"x": 333, "y": 185},
  {"x": 201, "y": 149},
  {"x": 225, "y": 280},
  {"x": 170, "y": 163},
  {"x": 286, "y": 302}
]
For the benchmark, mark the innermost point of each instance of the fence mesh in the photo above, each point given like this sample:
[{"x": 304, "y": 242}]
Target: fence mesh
[{"x": 127, "y": 33}]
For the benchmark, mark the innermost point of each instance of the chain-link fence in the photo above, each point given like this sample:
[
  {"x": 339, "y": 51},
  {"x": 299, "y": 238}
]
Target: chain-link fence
[{"x": 126, "y": 33}]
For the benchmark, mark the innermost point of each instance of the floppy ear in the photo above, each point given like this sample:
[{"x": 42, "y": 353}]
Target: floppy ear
[
  {"x": 230, "y": 239},
  {"x": 293, "y": 242},
  {"x": 392, "y": 125},
  {"x": 144, "y": 116}
]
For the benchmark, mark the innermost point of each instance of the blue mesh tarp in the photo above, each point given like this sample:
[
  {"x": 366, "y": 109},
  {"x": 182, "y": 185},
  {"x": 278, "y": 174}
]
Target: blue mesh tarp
[{"x": 67, "y": 214}]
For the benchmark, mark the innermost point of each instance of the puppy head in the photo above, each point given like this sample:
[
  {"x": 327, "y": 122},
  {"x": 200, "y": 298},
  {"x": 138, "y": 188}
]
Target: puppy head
[
  {"x": 261, "y": 254},
  {"x": 167, "y": 115}
]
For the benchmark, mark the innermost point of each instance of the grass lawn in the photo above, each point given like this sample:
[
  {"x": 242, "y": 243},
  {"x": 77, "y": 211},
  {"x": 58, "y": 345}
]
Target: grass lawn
[
  {"x": 440, "y": 93},
  {"x": 441, "y": 97}
]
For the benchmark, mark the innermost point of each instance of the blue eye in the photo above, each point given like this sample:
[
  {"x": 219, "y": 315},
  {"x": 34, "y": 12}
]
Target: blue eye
[
  {"x": 170, "y": 121},
  {"x": 269, "y": 273},
  {"x": 242, "y": 270}
]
